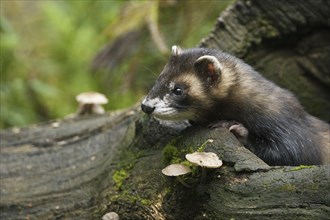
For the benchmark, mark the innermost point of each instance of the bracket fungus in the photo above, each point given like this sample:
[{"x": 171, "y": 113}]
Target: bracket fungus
[
  {"x": 177, "y": 170},
  {"x": 90, "y": 103},
  {"x": 204, "y": 160}
]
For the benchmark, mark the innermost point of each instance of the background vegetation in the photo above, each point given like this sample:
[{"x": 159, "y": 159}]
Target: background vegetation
[{"x": 53, "y": 50}]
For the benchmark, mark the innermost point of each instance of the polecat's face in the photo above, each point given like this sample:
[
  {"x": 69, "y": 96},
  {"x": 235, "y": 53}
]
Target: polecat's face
[
  {"x": 171, "y": 100},
  {"x": 181, "y": 91}
]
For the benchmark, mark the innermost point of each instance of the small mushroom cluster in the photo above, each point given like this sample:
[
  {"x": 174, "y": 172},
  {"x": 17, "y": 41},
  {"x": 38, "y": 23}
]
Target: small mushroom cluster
[
  {"x": 177, "y": 170},
  {"x": 91, "y": 103},
  {"x": 203, "y": 159}
]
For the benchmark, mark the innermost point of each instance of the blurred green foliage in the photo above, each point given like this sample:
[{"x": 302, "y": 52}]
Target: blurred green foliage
[{"x": 50, "y": 51}]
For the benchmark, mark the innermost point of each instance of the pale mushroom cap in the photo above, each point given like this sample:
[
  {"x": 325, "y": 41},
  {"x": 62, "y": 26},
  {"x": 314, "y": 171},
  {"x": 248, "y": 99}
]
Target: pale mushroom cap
[
  {"x": 91, "y": 98},
  {"x": 175, "y": 170},
  {"x": 110, "y": 216},
  {"x": 204, "y": 159}
]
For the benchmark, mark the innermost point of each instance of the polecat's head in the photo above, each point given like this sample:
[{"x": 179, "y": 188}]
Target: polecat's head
[{"x": 183, "y": 91}]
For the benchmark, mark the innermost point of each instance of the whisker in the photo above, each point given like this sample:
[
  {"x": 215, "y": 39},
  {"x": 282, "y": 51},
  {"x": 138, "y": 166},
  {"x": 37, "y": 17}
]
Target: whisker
[{"x": 150, "y": 71}]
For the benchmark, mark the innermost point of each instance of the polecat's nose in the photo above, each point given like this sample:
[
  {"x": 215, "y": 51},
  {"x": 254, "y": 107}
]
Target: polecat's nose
[{"x": 147, "y": 109}]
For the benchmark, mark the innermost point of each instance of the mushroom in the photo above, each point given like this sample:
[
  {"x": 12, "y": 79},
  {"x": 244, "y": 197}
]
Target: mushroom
[
  {"x": 204, "y": 160},
  {"x": 110, "y": 216},
  {"x": 90, "y": 103},
  {"x": 177, "y": 170}
]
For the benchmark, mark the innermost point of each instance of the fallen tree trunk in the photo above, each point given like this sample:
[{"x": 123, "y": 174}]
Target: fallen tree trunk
[
  {"x": 112, "y": 163},
  {"x": 85, "y": 167}
]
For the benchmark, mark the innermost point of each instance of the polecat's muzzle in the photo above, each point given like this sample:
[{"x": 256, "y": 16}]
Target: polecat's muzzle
[{"x": 147, "y": 109}]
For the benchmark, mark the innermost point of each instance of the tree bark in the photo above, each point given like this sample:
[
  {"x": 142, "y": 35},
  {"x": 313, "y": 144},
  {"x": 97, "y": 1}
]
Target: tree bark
[{"x": 84, "y": 167}]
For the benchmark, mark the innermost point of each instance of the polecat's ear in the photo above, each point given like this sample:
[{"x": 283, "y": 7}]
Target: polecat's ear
[
  {"x": 176, "y": 50},
  {"x": 209, "y": 66}
]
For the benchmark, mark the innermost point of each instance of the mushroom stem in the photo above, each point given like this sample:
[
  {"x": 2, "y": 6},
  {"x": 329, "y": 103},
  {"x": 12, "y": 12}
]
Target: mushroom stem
[
  {"x": 203, "y": 178},
  {"x": 183, "y": 182},
  {"x": 98, "y": 109}
]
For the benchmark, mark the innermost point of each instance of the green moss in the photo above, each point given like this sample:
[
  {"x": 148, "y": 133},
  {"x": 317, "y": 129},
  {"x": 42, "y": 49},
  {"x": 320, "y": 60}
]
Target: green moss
[
  {"x": 119, "y": 177},
  {"x": 128, "y": 159},
  {"x": 130, "y": 198},
  {"x": 302, "y": 167},
  {"x": 170, "y": 154},
  {"x": 187, "y": 163},
  {"x": 145, "y": 201}
]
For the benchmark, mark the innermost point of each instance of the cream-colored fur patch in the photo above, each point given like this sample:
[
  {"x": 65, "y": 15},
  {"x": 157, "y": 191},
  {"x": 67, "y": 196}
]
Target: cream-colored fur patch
[
  {"x": 195, "y": 87},
  {"x": 227, "y": 80}
]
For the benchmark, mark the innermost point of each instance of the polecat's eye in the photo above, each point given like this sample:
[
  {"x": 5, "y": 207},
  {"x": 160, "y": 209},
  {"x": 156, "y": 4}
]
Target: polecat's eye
[{"x": 177, "y": 91}]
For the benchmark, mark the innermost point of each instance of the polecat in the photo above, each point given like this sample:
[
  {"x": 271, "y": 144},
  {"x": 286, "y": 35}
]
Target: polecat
[{"x": 206, "y": 86}]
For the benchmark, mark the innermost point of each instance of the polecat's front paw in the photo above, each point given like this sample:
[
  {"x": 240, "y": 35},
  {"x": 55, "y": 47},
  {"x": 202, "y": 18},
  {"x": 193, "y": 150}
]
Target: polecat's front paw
[{"x": 238, "y": 129}]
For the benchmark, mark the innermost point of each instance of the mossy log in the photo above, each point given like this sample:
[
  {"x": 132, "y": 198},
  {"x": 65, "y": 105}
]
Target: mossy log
[{"x": 82, "y": 168}]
